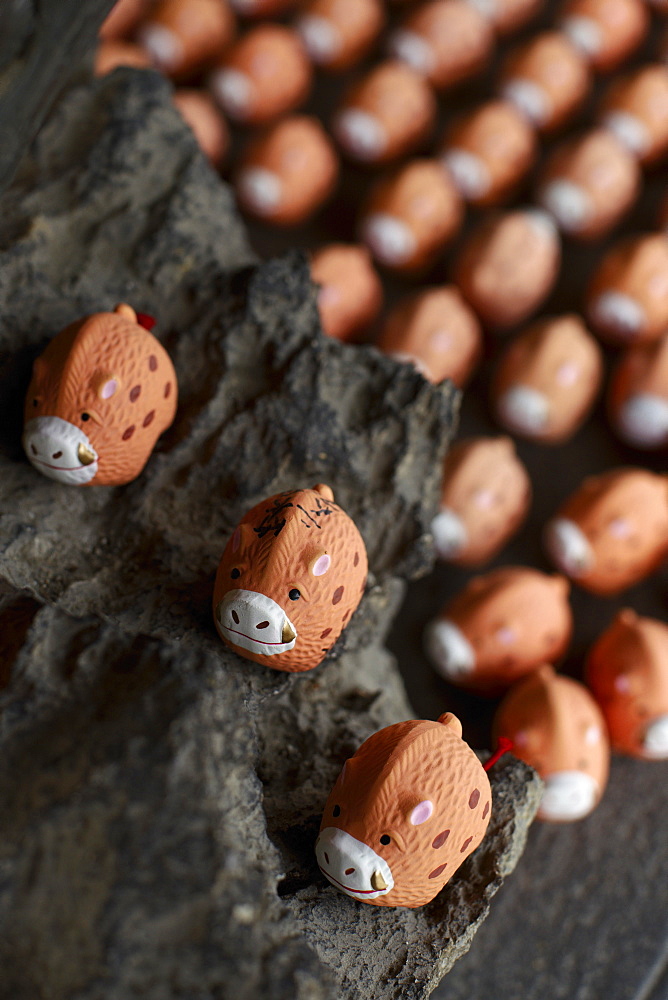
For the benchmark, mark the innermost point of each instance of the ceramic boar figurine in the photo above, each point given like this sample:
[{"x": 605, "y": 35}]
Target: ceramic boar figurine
[
  {"x": 557, "y": 728},
  {"x": 289, "y": 579},
  {"x": 485, "y": 497},
  {"x": 101, "y": 395},
  {"x": 500, "y": 627},
  {"x": 613, "y": 531},
  {"x": 638, "y": 396},
  {"x": 407, "y": 809},
  {"x": 627, "y": 671}
]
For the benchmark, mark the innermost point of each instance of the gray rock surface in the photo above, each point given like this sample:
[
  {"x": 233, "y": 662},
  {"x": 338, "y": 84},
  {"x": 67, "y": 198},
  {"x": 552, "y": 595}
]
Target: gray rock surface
[{"x": 160, "y": 796}]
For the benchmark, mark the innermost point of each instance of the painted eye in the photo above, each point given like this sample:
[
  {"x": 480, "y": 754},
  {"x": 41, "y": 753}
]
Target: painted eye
[
  {"x": 235, "y": 574},
  {"x": 385, "y": 839},
  {"x": 34, "y": 402},
  {"x": 336, "y": 811},
  {"x": 85, "y": 416},
  {"x": 294, "y": 594}
]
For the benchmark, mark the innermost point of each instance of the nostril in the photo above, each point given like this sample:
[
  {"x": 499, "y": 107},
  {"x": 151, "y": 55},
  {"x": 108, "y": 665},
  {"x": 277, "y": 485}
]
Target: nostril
[
  {"x": 57, "y": 454},
  {"x": 326, "y": 857},
  {"x": 349, "y": 871},
  {"x": 263, "y": 625},
  {"x": 33, "y": 449},
  {"x": 235, "y": 616}
]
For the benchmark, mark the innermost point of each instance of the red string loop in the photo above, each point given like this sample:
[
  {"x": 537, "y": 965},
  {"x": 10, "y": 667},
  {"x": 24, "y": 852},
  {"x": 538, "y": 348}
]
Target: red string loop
[{"x": 503, "y": 746}]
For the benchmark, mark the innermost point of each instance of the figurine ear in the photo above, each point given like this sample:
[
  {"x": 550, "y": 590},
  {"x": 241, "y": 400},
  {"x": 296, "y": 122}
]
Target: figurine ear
[
  {"x": 506, "y": 445},
  {"x": 40, "y": 368},
  {"x": 123, "y": 309},
  {"x": 319, "y": 564},
  {"x": 561, "y": 583},
  {"x": 324, "y": 490},
  {"x": 105, "y": 385},
  {"x": 452, "y": 722},
  {"x": 627, "y": 616},
  {"x": 422, "y": 812}
]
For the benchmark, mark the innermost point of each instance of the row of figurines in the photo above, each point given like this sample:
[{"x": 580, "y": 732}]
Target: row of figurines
[{"x": 292, "y": 575}]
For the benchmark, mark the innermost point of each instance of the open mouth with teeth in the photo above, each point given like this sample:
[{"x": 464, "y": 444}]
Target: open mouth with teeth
[
  {"x": 262, "y": 642},
  {"x": 358, "y": 892}
]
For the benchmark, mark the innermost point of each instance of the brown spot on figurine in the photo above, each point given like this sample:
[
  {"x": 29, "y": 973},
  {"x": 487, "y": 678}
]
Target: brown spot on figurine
[
  {"x": 547, "y": 380},
  {"x": 287, "y": 575},
  {"x": 112, "y": 54},
  {"x": 80, "y": 411},
  {"x": 338, "y": 33},
  {"x": 265, "y": 74},
  {"x": 547, "y": 80},
  {"x": 444, "y": 40},
  {"x": 436, "y": 331},
  {"x": 588, "y": 183},
  {"x": 499, "y": 627},
  {"x": 386, "y": 115},
  {"x": 613, "y": 531},
  {"x": 411, "y": 215},
  {"x": 488, "y": 152},
  {"x": 627, "y": 300},
  {"x": 635, "y": 110},
  {"x": 605, "y": 31},
  {"x": 288, "y": 172},
  {"x": 382, "y": 838},
  {"x": 508, "y": 266},
  {"x": 627, "y": 671},
  {"x": 182, "y": 36},
  {"x": 638, "y": 396},
  {"x": 350, "y": 294},
  {"x": 206, "y": 121},
  {"x": 485, "y": 497},
  {"x": 557, "y": 728}
]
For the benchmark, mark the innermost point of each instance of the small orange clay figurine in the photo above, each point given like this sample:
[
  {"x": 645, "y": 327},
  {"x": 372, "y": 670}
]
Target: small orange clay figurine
[
  {"x": 588, "y": 183},
  {"x": 499, "y": 627},
  {"x": 288, "y": 172},
  {"x": 508, "y": 15},
  {"x": 181, "y": 36},
  {"x": 627, "y": 301},
  {"x": 350, "y": 294},
  {"x": 485, "y": 497},
  {"x": 265, "y": 74},
  {"x": 407, "y": 809},
  {"x": 489, "y": 151},
  {"x": 411, "y": 215},
  {"x": 122, "y": 18},
  {"x": 638, "y": 396},
  {"x": 605, "y": 31},
  {"x": 101, "y": 395},
  {"x": 548, "y": 379},
  {"x": 338, "y": 33},
  {"x": 445, "y": 40},
  {"x": 557, "y": 728},
  {"x": 207, "y": 123},
  {"x": 627, "y": 671},
  {"x": 547, "y": 80},
  {"x": 291, "y": 576},
  {"x": 111, "y": 54},
  {"x": 508, "y": 265},
  {"x": 613, "y": 531},
  {"x": 436, "y": 331},
  {"x": 386, "y": 115},
  {"x": 635, "y": 110}
]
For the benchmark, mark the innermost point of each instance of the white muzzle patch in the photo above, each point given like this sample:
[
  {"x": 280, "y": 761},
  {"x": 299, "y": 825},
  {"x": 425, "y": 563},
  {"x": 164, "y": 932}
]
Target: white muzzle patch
[
  {"x": 568, "y": 795},
  {"x": 351, "y": 865},
  {"x": 524, "y": 410},
  {"x": 412, "y": 49},
  {"x": 568, "y": 547},
  {"x": 643, "y": 420},
  {"x": 529, "y": 99},
  {"x": 568, "y": 203},
  {"x": 617, "y": 312},
  {"x": 450, "y": 652},
  {"x": 450, "y": 534},
  {"x": 234, "y": 91},
  {"x": 469, "y": 172},
  {"x": 321, "y": 38},
  {"x": 54, "y": 447},
  {"x": 655, "y": 742},
  {"x": 389, "y": 239},
  {"x": 360, "y": 134},
  {"x": 255, "y": 622},
  {"x": 260, "y": 188}
]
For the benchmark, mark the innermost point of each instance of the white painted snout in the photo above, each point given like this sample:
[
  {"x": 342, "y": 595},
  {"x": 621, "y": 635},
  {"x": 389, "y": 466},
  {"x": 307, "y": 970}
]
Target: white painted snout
[
  {"x": 568, "y": 795},
  {"x": 450, "y": 534},
  {"x": 351, "y": 865},
  {"x": 655, "y": 742},
  {"x": 568, "y": 547},
  {"x": 523, "y": 409},
  {"x": 450, "y": 652},
  {"x": 255, "y": 622},
  {"x": 60, "y": 450}
]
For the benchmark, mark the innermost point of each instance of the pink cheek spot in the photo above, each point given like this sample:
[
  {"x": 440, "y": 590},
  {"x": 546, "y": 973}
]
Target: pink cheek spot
[
  {"x": 474, "y": 798},
  {"x": 338, "y": 594},
  {"x": 506, "y": 635},
  {"x": 321, "y": 565},
  {"x": 592, "y": 735},
  {"x": 128, "y": 432},
  {"x": 422, "y": 812},
  {"x": 134, "y": 393},
  {"x": 622, "y": 684},
  {"x": 439, "y": 840},
  {"x": 438, "y": 871},
  {"x": 108, "y": 389},
  {"x": 326, "y": 633},
  {"x": 441, "y": 341},
  {"x": 484, "y": 499},
  {"x": 619, "y": 528},
  {"x": 328, "y": 296},
  {"x": 465, "y": 844},
  {"x": 148, "y": 419},
  {"x": 152, "y": 362},
  {"x": 567, "y": 374},
  {"x": 236, "y": 539}
]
